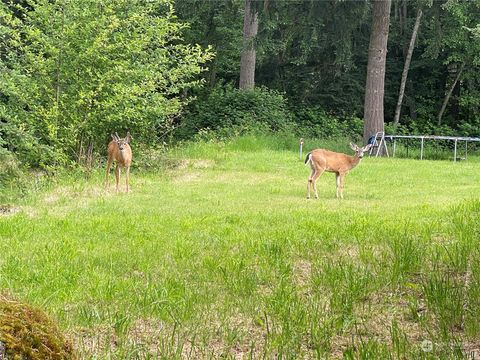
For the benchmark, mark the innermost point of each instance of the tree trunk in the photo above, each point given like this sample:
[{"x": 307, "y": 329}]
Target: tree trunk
[
  {"x": 247, "y": 62},
  {"x": 377, "y": 54},
  {"x": 213, "y": 73},
  {"x": 406, "y": 67},
  {"x": 404, "y": 27},
  {"x": 449, "y": 94}
]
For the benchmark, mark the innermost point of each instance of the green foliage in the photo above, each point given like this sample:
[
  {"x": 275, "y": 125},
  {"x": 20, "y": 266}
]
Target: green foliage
[
  {"x": 228, "y": 113},
  {"x": 237, "y": 111},
  {"x": 316, "y": 52},
  {"x": 153, "y": 159},
  {"x": 9, "y": 168},
  {"x": 419, "y": 127},
  {"x": 315, "y": 122},
  {"x": 313, "y": 51},
  {"x": 217, "y": 24},
  {"x": 72, "y": 72},
  {"x": 27, "y": 333}
]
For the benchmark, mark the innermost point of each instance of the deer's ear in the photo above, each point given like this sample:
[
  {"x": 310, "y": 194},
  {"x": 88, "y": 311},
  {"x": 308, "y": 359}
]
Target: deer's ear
[
  {"x": 129, "y": 137},
  {"x": 367, "y": 147},
  {"x": 354, "y": 147},
  {"x": 113, "y": 137}
]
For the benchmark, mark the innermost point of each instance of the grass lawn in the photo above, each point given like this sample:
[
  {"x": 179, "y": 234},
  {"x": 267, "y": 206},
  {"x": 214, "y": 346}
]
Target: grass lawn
[{"x": 222, "y": 256}]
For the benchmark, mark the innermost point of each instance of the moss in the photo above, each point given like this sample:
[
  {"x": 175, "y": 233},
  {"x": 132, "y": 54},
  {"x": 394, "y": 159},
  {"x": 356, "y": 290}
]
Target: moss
[{"x": 27, "y": 333}]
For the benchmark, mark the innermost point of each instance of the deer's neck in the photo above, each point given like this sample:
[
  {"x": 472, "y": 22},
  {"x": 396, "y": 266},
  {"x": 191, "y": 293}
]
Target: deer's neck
[
  {"x": 354, "y": 161},
  {"x": 122, "y": 156}
]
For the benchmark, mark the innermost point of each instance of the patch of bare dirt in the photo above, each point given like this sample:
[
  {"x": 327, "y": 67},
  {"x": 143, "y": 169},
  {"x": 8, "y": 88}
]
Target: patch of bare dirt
[
  {"x": 183, "y": 164},
  {"x": 93, "y": 342},
  {"x": 302, "y": 271},
  {"x": 374, "y": 318},
  {"x": 194, "y": 164},
  {"x": 8, "y": 210},
  {"x": 187, "y": 177},
  {"x": 202, "y": 164},
  {"x": 67, "y": 193},
  {"x": 472, "y": 350},
  {"x": 157, "y": 339}
]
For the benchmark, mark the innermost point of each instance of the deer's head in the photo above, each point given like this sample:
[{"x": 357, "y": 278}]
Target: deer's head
[
  {"x": 122, "y": 142},
  {"x": 360, "y": 151}
]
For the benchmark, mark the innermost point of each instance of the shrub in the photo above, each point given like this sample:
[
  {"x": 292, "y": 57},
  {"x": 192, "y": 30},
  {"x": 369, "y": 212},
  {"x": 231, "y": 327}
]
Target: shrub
[
  {"x": 316, "y": 123},
  {"x": 9, "y": 167},
  {"x": 236, "y": 111}
]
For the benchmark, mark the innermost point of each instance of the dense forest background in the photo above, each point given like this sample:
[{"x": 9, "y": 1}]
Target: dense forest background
[{"x": 73, "y": 71}]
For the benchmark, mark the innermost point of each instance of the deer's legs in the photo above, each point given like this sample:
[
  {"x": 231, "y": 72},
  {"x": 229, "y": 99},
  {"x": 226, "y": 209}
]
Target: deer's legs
[
  {"x": 127, "y": 172},
  {"x": 107, "y": 173},
  {"x": 309, "y": 183},
  {"x": 313, "y": 180},
  {"x": 340, "y": 182},
  {"x": 117, "y": 176},
  {"x": 315, "y": 177}
]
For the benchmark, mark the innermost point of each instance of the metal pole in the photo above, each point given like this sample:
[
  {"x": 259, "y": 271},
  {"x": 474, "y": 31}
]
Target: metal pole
[
  {"x": 394, "y": 146},
  {"x": 301, "y": 148},
  {"x": 421, "y": 150},
  {"x": 466, "y": 149},
  {"x": 455, "y": 151}
]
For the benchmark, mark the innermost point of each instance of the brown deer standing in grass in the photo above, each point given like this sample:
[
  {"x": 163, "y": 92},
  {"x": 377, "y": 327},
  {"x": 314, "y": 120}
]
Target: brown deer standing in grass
[
  {"x": 120, "y": 151},
  {"x": 323, "y": 160}
]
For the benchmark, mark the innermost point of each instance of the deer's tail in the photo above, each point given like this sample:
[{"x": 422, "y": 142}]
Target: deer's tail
[{"x": 308, "y": 158}]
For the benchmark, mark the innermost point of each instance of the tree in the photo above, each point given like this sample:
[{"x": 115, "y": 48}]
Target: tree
[
  {"x": 377, "y": 54},
  {"x": 406, "y": 67},
  {"x": 461, "y": 51},
  {"x": 77, "y": 70},
  {"x": 448, "y": 94},
  {"x": 314, "y": 51},
  {"x": 215, "y": 24},
  {"x": 248, "y": 59}
]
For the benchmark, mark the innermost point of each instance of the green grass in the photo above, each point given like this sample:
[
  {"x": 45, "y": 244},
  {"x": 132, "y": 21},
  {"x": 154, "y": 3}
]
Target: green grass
[{"x": 224, "y": 257}]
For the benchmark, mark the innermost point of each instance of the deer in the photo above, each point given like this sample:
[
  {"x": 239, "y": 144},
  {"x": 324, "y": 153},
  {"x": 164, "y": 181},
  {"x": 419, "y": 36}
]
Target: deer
[
  {"x": 322, "y": 160},
  {"x": 119, "y": 151}
]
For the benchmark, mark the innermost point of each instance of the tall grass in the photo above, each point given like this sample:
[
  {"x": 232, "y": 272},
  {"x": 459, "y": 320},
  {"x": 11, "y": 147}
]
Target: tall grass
[{"x": 223, "y": 256}]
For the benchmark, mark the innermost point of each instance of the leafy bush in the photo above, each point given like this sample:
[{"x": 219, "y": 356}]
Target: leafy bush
[
  {"x": 228, "y": 113},
  {"x": 471, "y": 128},
  {"x": 154, "y": 159},
  {"x": 315, "y": 122},
  {"x": 16, "y": 180},
  {"x": 9, "y": 167},
  {"x": 236, "y": 112},
  {"x": 417, "y": 127}
]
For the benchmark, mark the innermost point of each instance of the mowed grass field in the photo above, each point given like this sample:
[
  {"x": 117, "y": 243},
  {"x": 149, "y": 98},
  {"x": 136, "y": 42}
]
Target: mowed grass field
[{"x": 222, "y": 256}]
